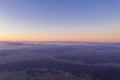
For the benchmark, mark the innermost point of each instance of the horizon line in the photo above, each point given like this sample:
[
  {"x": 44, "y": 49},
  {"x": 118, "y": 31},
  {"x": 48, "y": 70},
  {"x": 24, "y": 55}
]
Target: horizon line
[{"x": 63, "y": 41}]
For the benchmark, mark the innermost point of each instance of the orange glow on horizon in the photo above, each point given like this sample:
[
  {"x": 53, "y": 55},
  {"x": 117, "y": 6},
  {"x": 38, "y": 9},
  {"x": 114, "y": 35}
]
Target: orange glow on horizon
[{"x": 90, "y": 38}]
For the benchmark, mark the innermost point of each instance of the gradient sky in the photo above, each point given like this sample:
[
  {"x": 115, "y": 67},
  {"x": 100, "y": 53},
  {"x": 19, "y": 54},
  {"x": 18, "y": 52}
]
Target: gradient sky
[{"x": 60, "y": 20}]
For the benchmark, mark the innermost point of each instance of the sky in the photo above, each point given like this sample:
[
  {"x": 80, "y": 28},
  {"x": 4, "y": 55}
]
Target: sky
[{"x": 60, "y": 20}]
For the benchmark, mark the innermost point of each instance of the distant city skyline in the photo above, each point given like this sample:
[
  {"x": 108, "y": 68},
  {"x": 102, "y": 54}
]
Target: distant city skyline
[{"x": 60, "y": 20}]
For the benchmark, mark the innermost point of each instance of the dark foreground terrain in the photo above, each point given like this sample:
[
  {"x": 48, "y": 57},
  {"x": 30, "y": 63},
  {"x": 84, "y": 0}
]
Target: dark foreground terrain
[{"x": 59, "y": 61}]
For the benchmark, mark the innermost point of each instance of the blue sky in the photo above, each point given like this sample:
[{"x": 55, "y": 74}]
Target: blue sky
[{"x": 81, "y": 20}]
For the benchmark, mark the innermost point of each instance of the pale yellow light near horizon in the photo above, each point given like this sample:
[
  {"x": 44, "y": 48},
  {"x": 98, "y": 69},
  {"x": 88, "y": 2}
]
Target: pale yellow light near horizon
[
  {"x": 11, "y": 30},
  {"x": 91, "y": 38}
]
